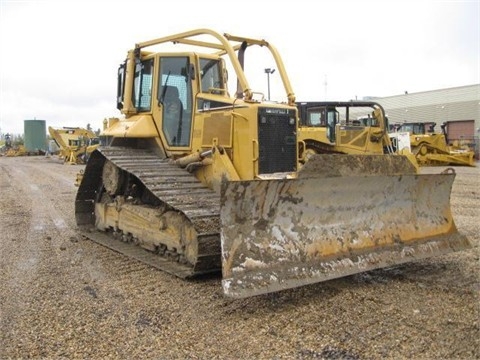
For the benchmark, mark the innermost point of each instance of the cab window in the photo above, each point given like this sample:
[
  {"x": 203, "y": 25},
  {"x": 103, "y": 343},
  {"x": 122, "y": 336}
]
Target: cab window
[
  {"x": 210, "y": 76},
  {"x": 175, "y": 98},
  {"x": 316, "y": 117},
  {"x": 142, "y": 89}
]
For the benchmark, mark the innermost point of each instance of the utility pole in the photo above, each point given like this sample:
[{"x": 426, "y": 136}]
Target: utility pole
[
  {"x": 325, "y": 83},
  {"x": 269, "y": 71}
]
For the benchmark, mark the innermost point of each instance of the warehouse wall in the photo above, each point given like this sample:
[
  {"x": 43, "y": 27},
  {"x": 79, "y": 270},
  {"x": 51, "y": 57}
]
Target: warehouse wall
[{"x": 459, "y": 104}]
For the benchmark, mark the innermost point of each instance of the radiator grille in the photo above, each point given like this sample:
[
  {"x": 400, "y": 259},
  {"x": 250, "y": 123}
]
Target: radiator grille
[{"x": 277, "y": 140}]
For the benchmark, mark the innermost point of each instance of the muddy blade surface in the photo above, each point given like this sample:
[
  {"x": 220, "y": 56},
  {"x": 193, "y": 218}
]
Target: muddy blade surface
[{"x": 280, "y": 234}]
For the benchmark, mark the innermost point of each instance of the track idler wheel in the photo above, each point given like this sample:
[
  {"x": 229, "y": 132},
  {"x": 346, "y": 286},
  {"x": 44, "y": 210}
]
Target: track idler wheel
[{"x": 113, "y": 178}]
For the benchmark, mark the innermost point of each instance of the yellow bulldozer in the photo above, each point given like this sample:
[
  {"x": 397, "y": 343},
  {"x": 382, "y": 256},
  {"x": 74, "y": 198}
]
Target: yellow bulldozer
[
  {"x": 194, "y": 180},
  {"x": 345, "y": 127},
  {"x": 11, "y": 150},
  {"x": 75, "y": 143},
  {"x": 432, "y": 149}
]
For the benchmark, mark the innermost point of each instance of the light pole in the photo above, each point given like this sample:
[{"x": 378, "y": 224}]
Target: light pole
[{"x": 269, "y": 71}]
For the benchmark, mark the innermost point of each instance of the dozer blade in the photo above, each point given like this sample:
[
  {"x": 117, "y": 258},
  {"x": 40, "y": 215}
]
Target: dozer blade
[{"x": 344, "y": 214}]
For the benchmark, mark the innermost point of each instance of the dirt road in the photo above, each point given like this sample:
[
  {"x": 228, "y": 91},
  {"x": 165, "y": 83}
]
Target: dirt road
[{"x": 66, "y": 297}]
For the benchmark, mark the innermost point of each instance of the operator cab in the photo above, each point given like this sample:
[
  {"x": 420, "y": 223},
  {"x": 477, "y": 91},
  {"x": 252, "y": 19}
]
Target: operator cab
[{"x": 167, "y": 86}]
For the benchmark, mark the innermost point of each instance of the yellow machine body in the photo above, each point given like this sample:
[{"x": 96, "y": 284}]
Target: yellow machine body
[
  {"x": 332, "y": 127},
  {"x": 75, "y": 143},
  {"x": 345, "y": 127},
  {"x": 197, "y": 178},
  {"x": 432, "y": 149}
]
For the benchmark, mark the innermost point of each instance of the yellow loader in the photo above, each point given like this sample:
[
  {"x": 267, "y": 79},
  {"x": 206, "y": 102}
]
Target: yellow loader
[{"x": 193, "y": 179}]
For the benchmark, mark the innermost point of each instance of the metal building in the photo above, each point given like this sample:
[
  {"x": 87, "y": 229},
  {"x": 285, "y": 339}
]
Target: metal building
[{"x": 458, "y": 107}]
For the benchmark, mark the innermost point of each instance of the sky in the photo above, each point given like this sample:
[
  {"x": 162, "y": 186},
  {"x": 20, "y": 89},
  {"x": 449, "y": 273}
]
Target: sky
[{"x": 59, "y": 59}]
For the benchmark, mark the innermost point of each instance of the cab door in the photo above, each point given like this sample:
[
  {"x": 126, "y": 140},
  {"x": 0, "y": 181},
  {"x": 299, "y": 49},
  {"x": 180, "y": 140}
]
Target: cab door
[
  {"x": 174, "y": 101},
  {"x": 332, "y": 119}
]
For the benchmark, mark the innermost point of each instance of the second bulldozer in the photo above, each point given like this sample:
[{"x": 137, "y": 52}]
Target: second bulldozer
[
  {"x": 431, "y": 148},
  {"x": 339, "y": 127},
  {"x": 197, "y": 178},
  {"x": 346, "y": 127}
]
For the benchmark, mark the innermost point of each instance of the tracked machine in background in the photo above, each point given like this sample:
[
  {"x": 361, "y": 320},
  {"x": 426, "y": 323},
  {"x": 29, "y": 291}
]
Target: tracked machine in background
[
  {"x": 345, "y": 127},
  {"x": 194, "y": 180},
  {"x": 10, "y": 149},
  {"x": 432, "y": 149},
  {"x": 75, "y": 143}
]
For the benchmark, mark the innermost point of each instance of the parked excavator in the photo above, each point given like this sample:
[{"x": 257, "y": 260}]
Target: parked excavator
[
  {"x": 345, "y": 127},
  {"x": 193, "y": 180},
  {"x": 75, "y": 143},
  {"x": 431, "y": 148}
]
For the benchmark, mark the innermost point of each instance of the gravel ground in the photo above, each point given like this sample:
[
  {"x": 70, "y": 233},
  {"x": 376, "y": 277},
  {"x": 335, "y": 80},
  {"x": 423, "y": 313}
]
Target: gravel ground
[{"x": 66, "y": 297}]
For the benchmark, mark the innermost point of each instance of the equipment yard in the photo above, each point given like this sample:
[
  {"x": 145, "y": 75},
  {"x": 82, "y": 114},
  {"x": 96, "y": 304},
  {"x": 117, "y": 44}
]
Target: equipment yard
[{"x": 67, "y": 297}]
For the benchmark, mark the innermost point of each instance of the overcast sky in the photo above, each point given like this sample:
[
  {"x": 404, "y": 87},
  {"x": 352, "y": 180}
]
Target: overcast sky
[{"x": 59, "y": 59}]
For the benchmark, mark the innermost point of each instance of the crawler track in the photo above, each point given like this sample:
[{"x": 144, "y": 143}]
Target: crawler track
[{"x": 171, "y": 185}]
